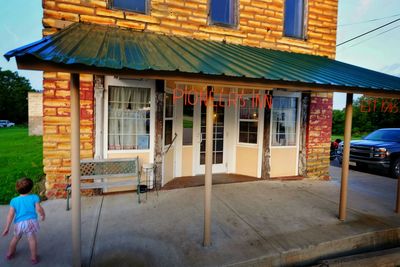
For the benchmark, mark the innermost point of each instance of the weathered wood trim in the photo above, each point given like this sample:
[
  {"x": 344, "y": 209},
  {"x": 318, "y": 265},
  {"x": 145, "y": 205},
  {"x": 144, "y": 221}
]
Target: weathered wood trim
[
  {"x": 158, "y": 132},
  {"x": 266, "y": 150},
  {"x": 304, "y": 116}
]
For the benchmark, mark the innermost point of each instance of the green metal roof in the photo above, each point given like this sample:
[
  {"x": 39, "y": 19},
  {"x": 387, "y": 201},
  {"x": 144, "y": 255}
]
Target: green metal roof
[{"x": 122, "y": 49}]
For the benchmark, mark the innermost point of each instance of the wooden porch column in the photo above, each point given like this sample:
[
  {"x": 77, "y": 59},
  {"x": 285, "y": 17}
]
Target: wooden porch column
[
  {"x": 346, "y": 157},
  {"x": 208, "y": 167},
  {"x": 266, "y": 150},
  {"x": 398, "y": 196},
  {"x": 75, "y": 171}
]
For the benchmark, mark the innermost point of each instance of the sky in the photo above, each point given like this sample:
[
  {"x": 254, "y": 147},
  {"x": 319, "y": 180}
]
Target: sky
[{"x": 20, "y": 24}]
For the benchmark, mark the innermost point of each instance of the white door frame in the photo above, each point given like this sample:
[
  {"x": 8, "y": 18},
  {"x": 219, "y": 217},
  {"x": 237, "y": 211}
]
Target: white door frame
[{"x": 197, "y": 168}]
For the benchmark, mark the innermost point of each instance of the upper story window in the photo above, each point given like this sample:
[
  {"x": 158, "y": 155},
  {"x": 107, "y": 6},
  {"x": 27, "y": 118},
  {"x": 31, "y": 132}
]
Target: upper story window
[
  {"x": 294, "y": 18},
  {"x": 139, "y": 6},
  {"x": 223, "y": 12}
]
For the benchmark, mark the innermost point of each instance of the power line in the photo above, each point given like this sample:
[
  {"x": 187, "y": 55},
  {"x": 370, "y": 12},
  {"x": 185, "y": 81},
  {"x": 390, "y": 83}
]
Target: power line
[
  {"x": 368, "y": 32},
  {"x": 366, "y": 21},
  {"x": 363, "y": 41}
]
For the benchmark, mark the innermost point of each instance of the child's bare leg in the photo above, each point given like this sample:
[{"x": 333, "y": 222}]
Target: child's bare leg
[
  {"x": 33, "y": 246},
  {"x": 13, "y": 245}
]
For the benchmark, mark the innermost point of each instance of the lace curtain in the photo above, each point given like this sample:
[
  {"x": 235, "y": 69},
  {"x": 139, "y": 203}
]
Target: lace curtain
[
  {"x": 284, "y": 121},
  {"x": 128, "y": 118}
]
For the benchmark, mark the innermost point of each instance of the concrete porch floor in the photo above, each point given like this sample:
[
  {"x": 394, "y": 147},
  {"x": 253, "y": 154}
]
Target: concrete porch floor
[
  {"x": 263, "y": 223},
  {"x": 220, "y": 178}
]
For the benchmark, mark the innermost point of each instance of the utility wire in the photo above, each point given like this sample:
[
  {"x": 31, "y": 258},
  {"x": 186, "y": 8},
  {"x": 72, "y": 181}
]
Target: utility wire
[
  {"x": 368, "y": 32},
  {"x": 393, "y": 28},
  {"x": 366, "y": 21}
]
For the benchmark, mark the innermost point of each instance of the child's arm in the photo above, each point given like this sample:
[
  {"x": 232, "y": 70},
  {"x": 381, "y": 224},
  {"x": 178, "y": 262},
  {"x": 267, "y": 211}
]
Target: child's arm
[
  {"x": 40, "y": 210},
  {"x": 10, "y": 217}
]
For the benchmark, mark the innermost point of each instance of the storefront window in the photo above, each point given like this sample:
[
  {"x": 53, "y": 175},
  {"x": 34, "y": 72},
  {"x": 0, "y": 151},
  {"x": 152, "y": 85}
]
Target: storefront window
[
  {"x": 248, "y": 122},
  {"x": 187, "y": 139},
  {"x": 169, "y": 118},
  {"x": 128, "y": 118},
  {"x": 284, "y": 121}
]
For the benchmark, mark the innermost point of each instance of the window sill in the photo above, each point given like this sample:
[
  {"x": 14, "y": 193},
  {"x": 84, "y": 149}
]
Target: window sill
[
  {"x": 249, "y": 145},
  {"x": 135, "y": 151}
]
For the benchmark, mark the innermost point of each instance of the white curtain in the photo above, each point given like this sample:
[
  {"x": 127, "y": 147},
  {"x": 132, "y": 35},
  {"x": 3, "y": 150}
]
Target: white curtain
[
  {"x": 128, "y": 127},
  {"x": 284, "y": 120}
]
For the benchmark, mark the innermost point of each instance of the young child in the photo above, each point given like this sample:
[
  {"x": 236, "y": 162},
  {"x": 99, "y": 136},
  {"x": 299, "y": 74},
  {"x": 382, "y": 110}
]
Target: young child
[{"x": 23, "y": 210}]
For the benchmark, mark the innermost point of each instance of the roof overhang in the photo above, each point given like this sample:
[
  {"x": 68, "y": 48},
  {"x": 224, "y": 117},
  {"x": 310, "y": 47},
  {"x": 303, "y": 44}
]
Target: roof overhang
[{"x": 86, "y": 48}]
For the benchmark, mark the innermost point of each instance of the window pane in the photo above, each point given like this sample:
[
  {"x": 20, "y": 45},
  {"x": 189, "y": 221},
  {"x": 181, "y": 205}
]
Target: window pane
[
  {"x": 294, "y": 18},
  {"x": 168, "y": 132},
  {"x": 169, "y": 107},
  {"x": 223, "y": 11},
  {"x": 128, "y": 118},
  {"x": 188, "y": 122},
  {"x": 284, "y": 121},
  {"x": 248, "y": 122},
  {"x": 133, "y": 5}
]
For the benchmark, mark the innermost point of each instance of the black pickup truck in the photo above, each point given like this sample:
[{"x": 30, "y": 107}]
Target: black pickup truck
[{"x": 379, "y": 150}]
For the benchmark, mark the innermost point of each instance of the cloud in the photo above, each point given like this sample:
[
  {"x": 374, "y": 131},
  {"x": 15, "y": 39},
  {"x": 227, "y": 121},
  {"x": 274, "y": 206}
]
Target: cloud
[
  {"x": 10, "y": 32},
  {"x": 393, "y": 69},
  {"x": 363, "y": 7}
]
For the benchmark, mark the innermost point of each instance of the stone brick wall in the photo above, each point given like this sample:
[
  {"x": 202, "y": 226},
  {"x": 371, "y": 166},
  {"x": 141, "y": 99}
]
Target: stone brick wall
[
  {"x": 260, "y": 22},
  {"x": 319, "y": 135},
  {"x": 56, "y": 131}
]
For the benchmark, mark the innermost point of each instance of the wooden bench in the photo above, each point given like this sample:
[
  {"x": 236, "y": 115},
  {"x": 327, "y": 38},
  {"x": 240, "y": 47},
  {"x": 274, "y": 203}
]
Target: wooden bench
[{"x": 105, "y": 174}]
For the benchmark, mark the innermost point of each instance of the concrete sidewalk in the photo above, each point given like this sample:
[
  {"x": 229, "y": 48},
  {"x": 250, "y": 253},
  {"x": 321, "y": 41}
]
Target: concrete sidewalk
[{"x": 254, "y": 224}]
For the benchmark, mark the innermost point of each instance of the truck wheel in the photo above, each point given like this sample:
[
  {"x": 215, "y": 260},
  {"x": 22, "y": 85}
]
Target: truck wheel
[{"x": 395, "y": 170}]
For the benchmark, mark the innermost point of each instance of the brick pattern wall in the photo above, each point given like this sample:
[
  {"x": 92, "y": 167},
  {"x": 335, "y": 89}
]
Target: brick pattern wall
[
  {"x": 56, "y": 130},
  {"x": 260, "y": 22},
  {"x": 319, "y": 135}
]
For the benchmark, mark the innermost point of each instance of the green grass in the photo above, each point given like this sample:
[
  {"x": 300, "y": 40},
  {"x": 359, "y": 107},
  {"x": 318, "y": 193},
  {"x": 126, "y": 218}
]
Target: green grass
[{"x": 20, "y": 155}]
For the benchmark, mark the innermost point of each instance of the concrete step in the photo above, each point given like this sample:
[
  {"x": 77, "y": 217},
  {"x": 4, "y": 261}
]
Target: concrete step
[{"x": 387, "y": 257}]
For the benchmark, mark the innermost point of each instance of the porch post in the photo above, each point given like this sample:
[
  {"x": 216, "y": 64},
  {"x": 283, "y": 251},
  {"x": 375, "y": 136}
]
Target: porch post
[
  {"x": 75, "y": 171},
  {"x": 398, "y": 196},
  {"x": 208, "y": 167},
  {"x": 346, "y": 157}
]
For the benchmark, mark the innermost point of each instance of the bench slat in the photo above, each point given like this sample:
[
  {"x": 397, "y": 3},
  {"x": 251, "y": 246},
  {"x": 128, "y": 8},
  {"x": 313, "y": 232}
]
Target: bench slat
[
  {"x": 106, "y": 176},
  {"x": 102, "y": 185}
]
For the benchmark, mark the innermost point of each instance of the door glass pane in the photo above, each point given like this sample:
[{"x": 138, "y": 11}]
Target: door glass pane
[
  {"x": 284, "y": 121},
  {"x": 218, "y": 134}
]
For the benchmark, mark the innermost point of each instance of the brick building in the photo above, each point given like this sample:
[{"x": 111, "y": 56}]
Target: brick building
[{"x": 143, "y": 64}]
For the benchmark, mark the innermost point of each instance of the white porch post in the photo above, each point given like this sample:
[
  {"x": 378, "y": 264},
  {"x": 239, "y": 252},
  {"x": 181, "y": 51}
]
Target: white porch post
[
  {"x": 346, "y": 157},
  {"x": 208, "y": 167},
  {"x": 98, "y": 94},
  {"x": 75, "y": 171}
]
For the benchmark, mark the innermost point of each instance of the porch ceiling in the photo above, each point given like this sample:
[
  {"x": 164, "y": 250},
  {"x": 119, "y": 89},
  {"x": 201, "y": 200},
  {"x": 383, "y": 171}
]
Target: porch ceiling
[{"x": 88, "y": 48}]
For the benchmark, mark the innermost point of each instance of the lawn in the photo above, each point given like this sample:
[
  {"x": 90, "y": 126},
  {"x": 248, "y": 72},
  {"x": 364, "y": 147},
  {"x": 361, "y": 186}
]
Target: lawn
[{"x": 20, "y": 155}]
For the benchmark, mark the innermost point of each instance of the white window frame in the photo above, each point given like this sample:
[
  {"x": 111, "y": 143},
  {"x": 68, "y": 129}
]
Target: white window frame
[
  {"x": 287, "y": 94},
  {"x": 168, "y": 91},
  {"x": 248, "y": 120},
  {"x": 115, "y": 81}
]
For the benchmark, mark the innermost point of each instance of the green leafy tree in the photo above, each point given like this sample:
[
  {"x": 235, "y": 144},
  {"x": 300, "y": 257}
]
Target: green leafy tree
[
  {"x": 369, "y": 115},
  {"x": 14, "y": 97}
]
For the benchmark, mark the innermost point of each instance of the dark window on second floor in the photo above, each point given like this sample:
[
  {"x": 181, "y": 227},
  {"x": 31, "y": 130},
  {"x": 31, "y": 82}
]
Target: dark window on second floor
[
  {"x": 139, "y": 6},
  {"x": 294, "y": 18},
  {"x": 223, "y": 12}
]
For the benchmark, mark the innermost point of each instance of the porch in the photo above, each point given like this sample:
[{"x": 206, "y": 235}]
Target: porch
[{"x": 264, "y": 223}]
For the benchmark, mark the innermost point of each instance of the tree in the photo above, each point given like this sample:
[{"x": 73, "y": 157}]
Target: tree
[
  {"x": 14, "y": 97},
  {"x": 368, "y": 115}
]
